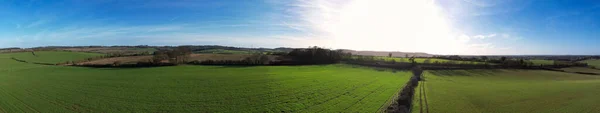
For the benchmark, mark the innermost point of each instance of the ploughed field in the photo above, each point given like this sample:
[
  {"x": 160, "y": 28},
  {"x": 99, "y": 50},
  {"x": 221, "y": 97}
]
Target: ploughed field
[
  {"x": 28, "y": 87},
  {"x": 507, "y": 91}
]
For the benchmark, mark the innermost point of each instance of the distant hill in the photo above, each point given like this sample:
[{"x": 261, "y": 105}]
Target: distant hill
[{"x": 386, "y": 53}]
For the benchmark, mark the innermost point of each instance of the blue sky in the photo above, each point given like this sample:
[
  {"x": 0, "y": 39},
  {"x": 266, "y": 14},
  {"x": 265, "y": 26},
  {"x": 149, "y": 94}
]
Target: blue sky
[{"x": 480, "y": 27}]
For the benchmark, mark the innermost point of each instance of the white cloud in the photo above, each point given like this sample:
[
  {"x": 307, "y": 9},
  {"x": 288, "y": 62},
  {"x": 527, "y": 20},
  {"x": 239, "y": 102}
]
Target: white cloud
[
  {"x": 167, "y": 34},
  {"x": 505, "y": 36},
  {"x": 163, "y": 28},
  {"x": 482, "y": 3},
  {"x": 484, "y": 36},
  {"x": 37, "y": 23},
  {"x": 174, "y": 18}
]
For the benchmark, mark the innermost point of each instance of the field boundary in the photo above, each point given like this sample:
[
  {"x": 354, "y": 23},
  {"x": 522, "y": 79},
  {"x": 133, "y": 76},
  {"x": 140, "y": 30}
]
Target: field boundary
[
  {"x": 24, "y": 61},
  {"x": 577, "y": 72},
  {"x": 403, "y": 103},
  {"x": 390, "y": 101}
]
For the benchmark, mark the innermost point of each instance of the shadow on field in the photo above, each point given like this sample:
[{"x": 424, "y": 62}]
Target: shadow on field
[{"x": 472, "y": 72}]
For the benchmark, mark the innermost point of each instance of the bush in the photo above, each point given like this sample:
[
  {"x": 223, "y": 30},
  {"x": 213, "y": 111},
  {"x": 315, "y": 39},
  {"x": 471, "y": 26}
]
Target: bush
[{"x": 116, "y": 63}]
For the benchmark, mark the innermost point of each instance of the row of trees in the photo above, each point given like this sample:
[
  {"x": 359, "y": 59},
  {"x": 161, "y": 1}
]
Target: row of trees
[
  {"x": 178, "y": 55},
  {"x": 257, "y": 59},
  {"x": 317, "y": 55}
]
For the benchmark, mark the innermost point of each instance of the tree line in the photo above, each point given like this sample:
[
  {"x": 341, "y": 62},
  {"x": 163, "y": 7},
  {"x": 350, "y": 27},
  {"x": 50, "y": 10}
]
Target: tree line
[{"x": 317, "y": 55}]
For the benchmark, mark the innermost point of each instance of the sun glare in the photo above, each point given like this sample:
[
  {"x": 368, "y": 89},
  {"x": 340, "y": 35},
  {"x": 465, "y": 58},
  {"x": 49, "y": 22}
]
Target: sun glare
[{"x": 390, "y": 25}]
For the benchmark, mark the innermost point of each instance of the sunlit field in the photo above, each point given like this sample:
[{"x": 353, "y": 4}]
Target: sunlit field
[
  {"x": 52, "y": 57},
  {"x": 507, "y": 91},
  {"x": 593, "y": 62},
  {"x": 581, "y": 69},
  {"x": 542, "y": 62},
  {"x": 425, "y": 60},
  {"x": 27, "y": 87}
]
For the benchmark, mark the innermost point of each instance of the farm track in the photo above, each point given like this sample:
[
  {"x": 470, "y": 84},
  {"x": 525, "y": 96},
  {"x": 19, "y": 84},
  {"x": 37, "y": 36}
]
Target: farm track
[{"x": 423, "y": 104}]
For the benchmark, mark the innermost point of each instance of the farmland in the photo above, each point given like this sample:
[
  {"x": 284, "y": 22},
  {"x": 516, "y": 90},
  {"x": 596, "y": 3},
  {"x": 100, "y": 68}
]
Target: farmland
[
  {"x": 192, "y": 57},
  {"x": 542, "y": 62},
  {"x": 507, "y": 91},
  {"x": 30, "y": 87},
  {"x": 52, "y": 57},
  {"x": 581, "y": 69},
  {"x": 26, "y": 87},
  {"x": 223, "y": 51},
  {"x": 593, "y": 62},
  {"x": 423, "y": 60}
]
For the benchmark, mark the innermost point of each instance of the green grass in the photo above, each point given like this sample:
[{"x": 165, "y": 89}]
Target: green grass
[
  {"x": 422, "y": 60},
  {"x": 26, "y": 87},
  {"x": 52, "y": 57},
  {"x": 542, "y": 62},
  {"x": 508, "y": 91},
  {"x": 581, "y": 69},
  {"x": 593, "y": 62}
]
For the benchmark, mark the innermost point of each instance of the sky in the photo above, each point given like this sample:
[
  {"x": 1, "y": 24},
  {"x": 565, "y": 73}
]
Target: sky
[{"x": 462, "y": 27}]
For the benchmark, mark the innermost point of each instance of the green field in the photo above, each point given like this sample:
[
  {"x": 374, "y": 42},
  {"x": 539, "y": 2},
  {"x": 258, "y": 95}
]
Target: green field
[
  {"x": 52, "y": 57},
  {"x": 581, "y": 69},
  {"x": 542, "y": 62},
  {"x": 593, "y": 62},
  {"x": 26, "y": 87},
  {"x": 422, "y": 60},
  {"x": 507, "y": 91}
]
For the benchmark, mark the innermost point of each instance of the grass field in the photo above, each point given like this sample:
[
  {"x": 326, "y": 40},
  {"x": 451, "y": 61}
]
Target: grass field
[
  {"x": 52, "y": 57},
  {"x": 507, "y": 91},
  {"x": 422, "y": 60},
  {"x": 593, "y": 62},
  {"x": 26, "y": 87},
  {"x": 113, "y": 50},
  {"x": 581, "y": 69},
  {"x": 542, "y": 62}
]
